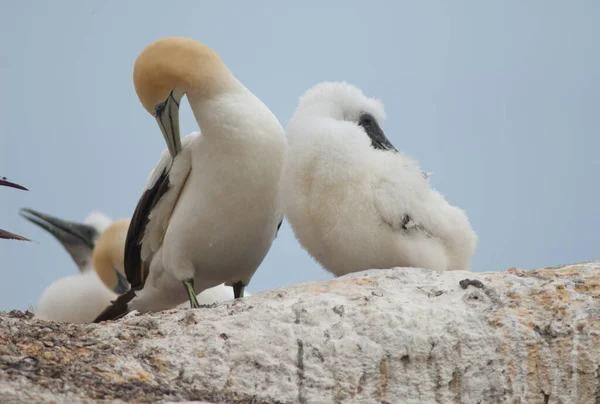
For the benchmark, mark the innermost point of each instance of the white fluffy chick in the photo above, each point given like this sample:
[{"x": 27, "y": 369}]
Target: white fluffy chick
[{"x": 355, "y": 202}]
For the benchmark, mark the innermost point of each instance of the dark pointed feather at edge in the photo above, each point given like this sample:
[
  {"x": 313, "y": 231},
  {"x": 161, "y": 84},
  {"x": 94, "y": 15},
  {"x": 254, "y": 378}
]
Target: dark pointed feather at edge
[
  {"x": 136, "y": 270},
  {"x": 118, "y": 307},
  {"x": 7, "y": 183},
  {"x": 11, "y": 236}
]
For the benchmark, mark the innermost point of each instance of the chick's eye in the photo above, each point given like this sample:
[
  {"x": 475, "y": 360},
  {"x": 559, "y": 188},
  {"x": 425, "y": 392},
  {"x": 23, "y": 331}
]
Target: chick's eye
[{"x": 365, "y": 120}]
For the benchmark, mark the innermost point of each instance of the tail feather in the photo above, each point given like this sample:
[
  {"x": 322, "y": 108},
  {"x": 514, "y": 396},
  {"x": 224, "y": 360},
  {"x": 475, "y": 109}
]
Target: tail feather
[{"x": 118, "y": 307}]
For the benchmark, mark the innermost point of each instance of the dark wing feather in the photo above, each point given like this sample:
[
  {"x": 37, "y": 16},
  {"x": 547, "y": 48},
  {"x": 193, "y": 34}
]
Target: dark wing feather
[
  {"x": 135, "y": 270},
  {"x": 11, "y": 236},
  {"x": 7, "y": 183}
]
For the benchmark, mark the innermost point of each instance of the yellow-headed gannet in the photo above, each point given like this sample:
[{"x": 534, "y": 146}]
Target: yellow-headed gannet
[
  {"x": 108, "y": 256},
  {"x": 3, "y": 233},
  {"x": 210, "y": 209},
  {"x": 81, "y": 297},
  {"x": 355, "y": 202}
]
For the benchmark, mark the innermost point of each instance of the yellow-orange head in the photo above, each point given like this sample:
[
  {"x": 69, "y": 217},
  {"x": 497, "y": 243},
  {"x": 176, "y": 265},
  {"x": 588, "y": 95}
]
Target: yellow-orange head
[
  {"x": 109, "y": 251},
  {"x": 179, "y": 64}
]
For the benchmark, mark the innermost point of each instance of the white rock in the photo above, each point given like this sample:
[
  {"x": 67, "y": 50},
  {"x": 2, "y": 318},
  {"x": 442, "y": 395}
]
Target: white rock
[{"x": 395, "y": 336}]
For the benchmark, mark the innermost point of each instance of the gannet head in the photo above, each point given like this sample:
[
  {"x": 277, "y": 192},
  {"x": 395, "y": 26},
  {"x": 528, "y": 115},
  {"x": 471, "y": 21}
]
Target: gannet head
[
  {"x": 108, "y": 256},
  {"x": 171, "y": 67},
  {"x": 77, "y": 238},
  {"x": 346, "y": 104}
]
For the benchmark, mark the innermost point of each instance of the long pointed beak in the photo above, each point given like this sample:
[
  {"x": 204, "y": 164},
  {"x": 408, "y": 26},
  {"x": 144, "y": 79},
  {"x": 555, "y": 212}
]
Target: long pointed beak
[
  {"x": 378, "y": 138},
  {"x": 5, "y": 182},
  {"x": 167, "y": 116},
  {"x": 77, "y": 238}
]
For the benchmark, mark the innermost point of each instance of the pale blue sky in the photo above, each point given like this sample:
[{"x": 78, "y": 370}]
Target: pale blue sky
[{"x": 500, "y": 100}]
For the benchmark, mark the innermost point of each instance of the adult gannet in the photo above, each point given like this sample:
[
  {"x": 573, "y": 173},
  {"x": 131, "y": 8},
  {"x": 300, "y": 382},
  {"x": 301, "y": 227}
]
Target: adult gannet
[
  {"x": 355, "y": 202},
  {"x": 3, "y": 233},
  {"x": 77, "y": 298},
  {"x": 108, "y": 263},
  {"x": 210, "y": 209}
]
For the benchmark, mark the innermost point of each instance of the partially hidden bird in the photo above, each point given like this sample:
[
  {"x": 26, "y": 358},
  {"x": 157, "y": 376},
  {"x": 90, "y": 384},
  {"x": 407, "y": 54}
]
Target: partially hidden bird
[{"x": 80, "y": 297}]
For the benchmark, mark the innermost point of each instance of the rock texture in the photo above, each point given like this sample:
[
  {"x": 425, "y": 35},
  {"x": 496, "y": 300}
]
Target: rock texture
[{"x": 388, "y": 336}]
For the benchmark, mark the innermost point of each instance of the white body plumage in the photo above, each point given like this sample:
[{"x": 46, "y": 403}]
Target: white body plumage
[
  {"x": 217, "y": 221},
  {"x": 211, "y": 208}
]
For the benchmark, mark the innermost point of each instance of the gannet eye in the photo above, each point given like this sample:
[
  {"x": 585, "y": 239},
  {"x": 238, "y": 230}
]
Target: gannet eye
[
  {"x": 159, "y": 108},
  {"x": 366, "y": 120}
]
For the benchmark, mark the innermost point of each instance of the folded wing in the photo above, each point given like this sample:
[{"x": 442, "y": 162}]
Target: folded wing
[{"x": 153, "y": 211}]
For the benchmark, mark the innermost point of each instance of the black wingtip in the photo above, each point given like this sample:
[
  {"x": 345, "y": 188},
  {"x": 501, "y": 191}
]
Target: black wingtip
[
  {"x": 11, "y": 236},
  {"x": 118, "y": 307},
  {"x": 7, "y": 183}
]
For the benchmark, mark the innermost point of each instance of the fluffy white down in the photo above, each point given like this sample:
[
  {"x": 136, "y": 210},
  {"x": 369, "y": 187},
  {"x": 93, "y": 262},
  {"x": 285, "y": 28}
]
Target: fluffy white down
[
  {"x": 74, "y": 299},
  {"x": 346, "y": 200},
  {"x": 98, "y": 220}
]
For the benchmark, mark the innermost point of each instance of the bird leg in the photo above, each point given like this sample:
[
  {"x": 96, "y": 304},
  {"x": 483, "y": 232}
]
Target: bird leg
[
  {"x": 238, "y": 290},
  {"x": 188, "y": 284}
]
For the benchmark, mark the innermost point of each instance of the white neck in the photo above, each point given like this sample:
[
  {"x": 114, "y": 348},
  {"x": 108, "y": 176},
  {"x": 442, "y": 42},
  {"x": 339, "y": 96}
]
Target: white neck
[{"x": 232, "y": 114}]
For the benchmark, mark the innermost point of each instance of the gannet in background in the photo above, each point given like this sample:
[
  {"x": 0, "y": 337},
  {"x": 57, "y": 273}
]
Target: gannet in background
[
  {"x": 355, "y": 202},
  {"x": 108, "y": 257},
  {"x": 74, "y": 299},
  {"x": 81, "y": 297},
  {"x": 3, "y": 233},
  {"x": 108, "y": 263},
  {"x": 77, "y": 238},
  {"x": 210, "y": 209}
]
